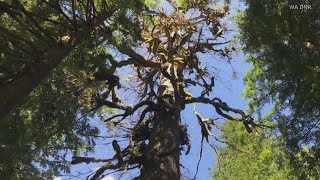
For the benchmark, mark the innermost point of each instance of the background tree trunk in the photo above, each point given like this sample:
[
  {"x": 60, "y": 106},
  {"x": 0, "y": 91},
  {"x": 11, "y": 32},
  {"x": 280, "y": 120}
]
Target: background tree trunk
[{"x": 13, "y": 93}]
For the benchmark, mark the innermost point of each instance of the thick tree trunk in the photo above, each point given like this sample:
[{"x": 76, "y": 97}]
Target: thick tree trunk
[
  {"x": 162, "y": 161},
  {"x": 13, "y": 93}
]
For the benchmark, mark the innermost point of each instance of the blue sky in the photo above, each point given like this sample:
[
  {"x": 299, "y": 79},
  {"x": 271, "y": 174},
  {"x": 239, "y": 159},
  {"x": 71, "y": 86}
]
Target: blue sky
[
  {"x": 230, "y": 90},
  {"x": 227, "y": 88}
]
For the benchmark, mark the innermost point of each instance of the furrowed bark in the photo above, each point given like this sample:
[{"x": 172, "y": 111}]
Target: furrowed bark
[{"x": 163, "y": 160}]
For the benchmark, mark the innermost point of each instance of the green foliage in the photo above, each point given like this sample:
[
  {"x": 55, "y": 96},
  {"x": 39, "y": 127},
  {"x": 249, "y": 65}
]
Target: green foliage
[
  {"x": 182, "y": 3},
  {"x": 261, "y": 157},
  {"x": 152, "y": 3},
  {"x": 282, "y": 46},
  {"x": 37, "y": 136},
  {"x": 31, "y": 28},
  {"x": 46, "y": 127}
]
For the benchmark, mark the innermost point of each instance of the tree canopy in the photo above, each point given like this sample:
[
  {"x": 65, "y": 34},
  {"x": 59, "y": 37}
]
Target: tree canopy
[
  {"x": 37, "y": 55},
  {"x": 163, "y": 63},
  {"x": 75, "y": 73},
  {"x": 281, "y": 42},
  {"x": 37, "y": 35},
  {"x": 282, "y": 45},
  {"x": 75, "y": 56}
]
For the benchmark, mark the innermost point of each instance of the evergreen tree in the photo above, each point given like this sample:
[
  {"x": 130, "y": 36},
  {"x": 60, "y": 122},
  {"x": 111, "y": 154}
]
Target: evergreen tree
[
  {"x": 37, "y": 35},
  {"x": 283, "y": 46},
  {"x": 262, "y": 156}
]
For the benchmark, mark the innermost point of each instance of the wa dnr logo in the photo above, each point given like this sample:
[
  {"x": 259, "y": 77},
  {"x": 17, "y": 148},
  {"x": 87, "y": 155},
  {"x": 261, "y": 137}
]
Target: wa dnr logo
[{"x": 301, "y": 6}]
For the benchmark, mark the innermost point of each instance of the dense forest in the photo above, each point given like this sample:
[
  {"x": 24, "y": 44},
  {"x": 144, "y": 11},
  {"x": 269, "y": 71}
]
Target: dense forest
[{"x": 99, "y": 89}]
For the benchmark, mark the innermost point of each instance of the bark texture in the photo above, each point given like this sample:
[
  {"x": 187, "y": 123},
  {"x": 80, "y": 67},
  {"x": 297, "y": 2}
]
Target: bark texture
[{"x": 162, "y": 161}]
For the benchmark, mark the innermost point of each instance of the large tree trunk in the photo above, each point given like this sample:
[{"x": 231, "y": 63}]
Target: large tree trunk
[
  {"x": 162, "y": 161},
  {"x": 13, "y": 93}
]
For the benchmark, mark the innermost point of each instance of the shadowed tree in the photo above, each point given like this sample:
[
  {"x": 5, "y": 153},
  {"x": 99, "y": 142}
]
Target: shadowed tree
[
  {"x": 40, "y": 133},
  {"x": 49, "y": 53},
  {"x": 37, "y": 35}
]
